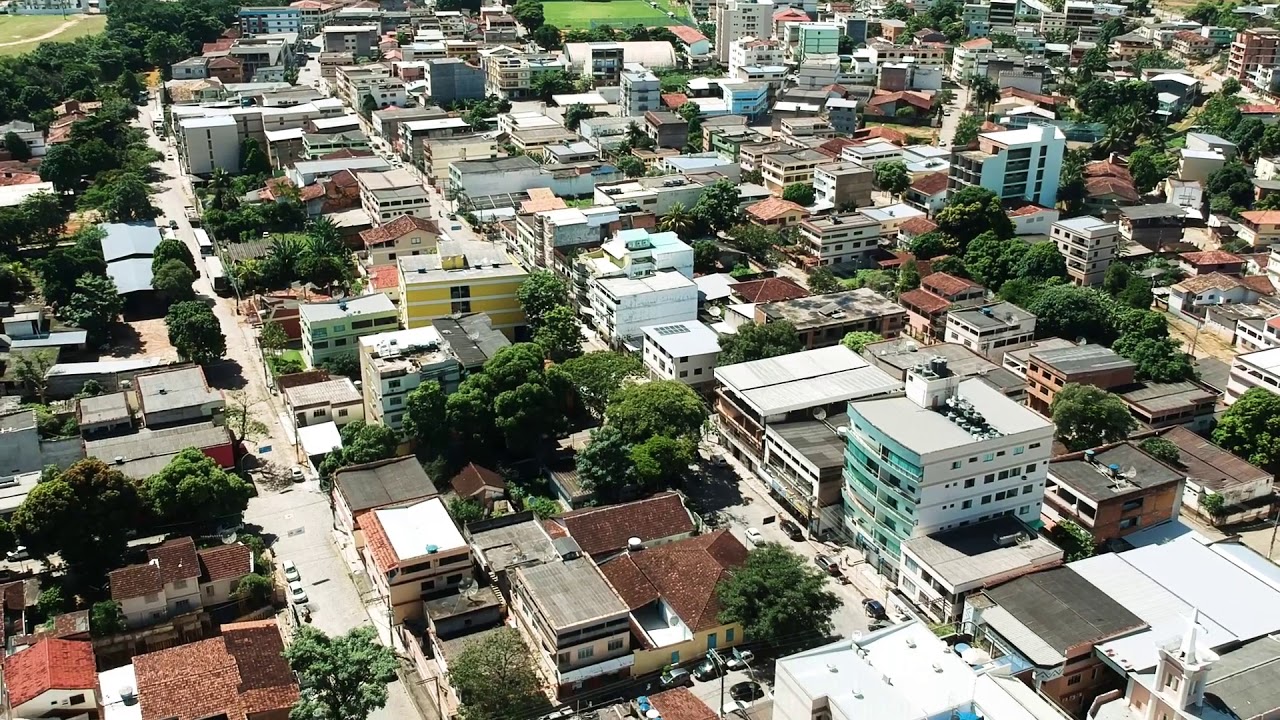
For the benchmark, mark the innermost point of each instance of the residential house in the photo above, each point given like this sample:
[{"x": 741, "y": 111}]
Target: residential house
[
  {"x": 167, "y": 585},
  {"x": 685, "y": 352},
  {"x": 412, "y": 553},
  {"x": 478, "y": 483},
  {"x": 336, "y": 400},
  {"x": 177, "y": 397},
  {"x": 360, "y": 489},
  {"x": 1246, "y": 490},
  {"x": 988, "y": 328},
  {"x": 405, "y": 235},
  {"x": 1260, "y": 228},
  {"x": 332, "y": 328},
  {"x": 1162, "y": 405},
  {"x": 1112, "y": 491},
  {"x": 776, "y": 213},
  {"x": 1048, "y": 371},
  {"x": 928, "y": 305},
  {"x": 1211, "y": 261},
  {"x": 928, "y": 192},
  {"x": 1155, "y": 226},
  {"x": 52, "y": 678},
  {"x": 1195, "y": 296},
  {"x": 222, "y": 567},
  {"x": 837, "y": 239},
  {"x": 824, "y": 320}
]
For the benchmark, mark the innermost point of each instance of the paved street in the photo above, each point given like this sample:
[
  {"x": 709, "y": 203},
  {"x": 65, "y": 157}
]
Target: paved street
[
  {"x": 951, "y": 117},
  {"x": 297, "y": 518}
]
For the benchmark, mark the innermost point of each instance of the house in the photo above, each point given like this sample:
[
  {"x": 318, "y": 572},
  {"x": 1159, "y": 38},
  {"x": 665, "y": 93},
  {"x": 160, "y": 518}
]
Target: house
[
  {"x": 927, "y": 305},
  {"x": 359, "y": 489},
  {"x": 1162, "y": 405},
  {"x": 988, "y": 328},
  {"x": 333, "y": 328},
  {"x": 1211, "y": 261},
  {"x": 242, "y": 673},
  {"x": 1246, "y": 490},
  {"x": 222, "y": 567},
  {"x": 1050, "y": 370},
  {"x": 928, "y": 192},
  {"x": 335, "y": 400},
  {"x": 1260, "y": 369},
  {"x": 406, "y": 235},
  {"x": 1260, "y": 228},
  {"x": 622, "y": 306},
  {"x": 411, "y": 553},
  {"x": 142, "y": 454},
  {"x": 475, "y": 482},
  {"x": 670, "y": 591},
  {"x": 604, "y": 532},
  {"x": 127, "y": 249},
  {"x": 1194, "y": 296},
  {"x": 776, "y": 213},
  {"x": 167, "y": 585},
  {"x": 52, "y": 678},
  {"x": 1112, "y": 491},
  {"x": 177, "y": 397},
  {"x": 767, "y": 290},
  {"x": 838, "y": 239},
  {"x": 685, "y": 352},
  {"x": 1154, "y": 226},
  {"x": 823, "y": 320},
  {"x": 104, "y": 414}
]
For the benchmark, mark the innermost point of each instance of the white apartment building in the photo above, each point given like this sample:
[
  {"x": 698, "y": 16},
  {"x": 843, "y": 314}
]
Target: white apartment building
[
  {"x": 641, "y": 91},
  {"x": 354, "y": 82},
  {"x": 755, "y": 52},
  {"x": 393, "y": 364},
  {"x": 621, "y": 306},
  {"x": 209, "y": 143},
  {"x": 636, "y": 253},
  {"x": 736, "y": 19},
  {"x": 949, "y": 454},
  {"x": 1014, "y": 164},
  {"x": 1251, "y": 370},
  {"x": 541, "y": 235},
  {"x": 835, "y": 239},
  {"x": 988, "y": 328},
  {"x": 872, "y": 153},
  {"x": 386, "y": 196},
  {"x": 1088, "y": 245},
  {"x": 685, "y": 352}
]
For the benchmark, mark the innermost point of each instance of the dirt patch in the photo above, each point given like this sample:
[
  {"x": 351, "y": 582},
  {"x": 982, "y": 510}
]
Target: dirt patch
[{"x": 143, "y": 338}]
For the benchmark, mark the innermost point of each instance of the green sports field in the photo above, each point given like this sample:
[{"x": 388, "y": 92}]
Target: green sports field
[
  {"x": 23, "y": 33},
  {"x": 567, "y": 14}
]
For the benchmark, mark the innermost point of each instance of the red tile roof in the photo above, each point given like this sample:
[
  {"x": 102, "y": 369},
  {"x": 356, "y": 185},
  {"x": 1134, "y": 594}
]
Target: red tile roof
[
  {"x": 946, "y": 285},
  {"x": 50, "y": 664},
  {"x": 1261, "y": 217},
  {"x": 681, "y": 704},
  {"x": 1211, "y": 257},
  {"x": 217, "y": 46},
  {"x": 384, "y": 277},
  {"x": 473, "y": 478},
  {"x": 1260, "y": 109},
  {"x": 917, "y": 226},
  {"x": 1027, "y": 210},
  {"x": 375, "y": 538},
  {"x": 1274, "y": 322},
  {"x": 686, "y": 34},
  {"x": 1099, "y": 186},
  {"x": 775, "y": 207},
  {"x": 924, "y": 301},
  {"x": 240, "y": 674},
  {"x": 396, "y": 229},
  {"x": 607, "y": 529},
  {"x": 930, "y": 183},
  {"x": 767, "y": 290},
  {"x": 834, "y": 146},
  {"x": 975, "y": 43},
  {"x": 1188, "y": 36},
  {"x": 344, "y": 178},
  {"x": 1259, "y": 284},
  {"x": 346, "y": 153},
  {"x": 790, "y": 14},
  {"x": 683, "y": 573},
  {"x": 910, "y": 98},
  {"x": 1107, "y": 168},
  {"x": 134, "y": 581},
  {"x": 177, "y": 559},
  {"x": 674, "y": 100},
  {"x": 226, "y": 562}
]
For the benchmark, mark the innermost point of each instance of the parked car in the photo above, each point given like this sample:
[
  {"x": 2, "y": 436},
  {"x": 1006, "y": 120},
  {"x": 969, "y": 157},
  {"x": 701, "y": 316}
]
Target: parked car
[
  {"x": 19, "y": 554},
  {"x": 754, "y": 536},
  {"x": 828, "y": 565},
  {"x": 297, "y": 594},
  {"x": 874, "y": 609},
  {"x": 676, "y": 677},
  {"x": 707, "y": 670},
  {"x": 792, "y": 530},
  {"x": 733, "y": 663},
  {"x": 290, "y": 571},
  {"x": 734, "y": 709},
  {"x": 746, "y": 691},
  {"x": 296, "y": 475},
  {"x": 718, "y": 460}
]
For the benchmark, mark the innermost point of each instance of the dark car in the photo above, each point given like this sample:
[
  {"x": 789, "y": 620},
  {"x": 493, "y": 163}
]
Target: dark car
[
  {"x": 828, "y": 565},
  {"x": 746, "y": 691},
  {"x": 792, "y": 530},
  {"x": 707, "y": 670},
  {"x": 874, "y": 609},
  {"x": 676, "y": 677}
]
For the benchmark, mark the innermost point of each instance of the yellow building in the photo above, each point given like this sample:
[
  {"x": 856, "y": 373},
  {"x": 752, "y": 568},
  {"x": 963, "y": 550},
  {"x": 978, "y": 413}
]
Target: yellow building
[{"x": 462, "y": 277}]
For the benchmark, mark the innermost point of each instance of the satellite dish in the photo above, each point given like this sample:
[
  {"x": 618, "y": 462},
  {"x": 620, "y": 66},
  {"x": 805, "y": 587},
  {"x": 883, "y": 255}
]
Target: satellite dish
[
  {"x": 230, "y": 538},
  {"x": 819, "y": 413},
  {"x": 1131, "y": 473}
]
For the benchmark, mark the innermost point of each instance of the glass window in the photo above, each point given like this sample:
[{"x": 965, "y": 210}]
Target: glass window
[
  {"x": 970, "y": 482},
  {"x": 986, "y": 499},
  {"x": 956, "y": 465},
  {"x": 586, "y": 652},
  {"x": 1019, "y": 450}
]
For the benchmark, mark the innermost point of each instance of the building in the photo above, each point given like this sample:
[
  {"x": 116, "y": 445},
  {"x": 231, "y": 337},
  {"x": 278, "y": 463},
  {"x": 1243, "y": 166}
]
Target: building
[
  {"x": 388, "y": 195},
  {"x": 824, "y": 320},
  {"x": 177, "y": 397},
  {"x": 28, "y": 133},
  {"x": 393, "y": 364},
  {"x": 781, "y": 169},
  {"x": 738, "y": 20},
  {"x": 412, "y": 553},
  {"x": 405, "y": 235},
  {"x": 670, "y": 591},
  {"x": 144, "y": 453},
  {"x": 928, "y": 305},
  {"x": 52, "y": 674},
  {"x": 947, "y": 455},
  {"x": 462, "y": 277},
  {"x": 1088, "y": 245},
  {"x": 641, "y": 92},
  {"x": 334, "y": 401},
  {"x": 1112, "y": 491},
  {"x": 1159, "y": 225},
  {"x": 475, "y": 482},
  {"x": 373, "y": 85},
  {"x": 1260, "y": 369},
  {"x": 1048, "y": 371},
  {"x": 359, "y": 40},
  {"x": 1260, "y": 228},
  {"x": 164, "y": 587},
  {"x": 360, "y": 489},
  {"x": 753, "y": 396},
  {"x": 1163, "y": 405},
  {"x": 241, "y": 673},
  {"x": 1245, "y": 489},
  {"x": 776, "y": 213},
  {"x": 1254, "y": 50},
  {"x": 451, "y": 80},
  {"x": 606, "y": 532},
  {"x": 843, "y": 184},
  {"x": 577, "y": 626},
  {"x": 210, "y": 143},
  {"x": 988, "y": 328},
  {"x": 1014, "y": 164},
  {"x": 684, "y": 351},
  {"x": 270, "y": 20},
  {"x": 838, "y": 239},
  {"x": 330, "y": 329},
  {"x": 621, "y": 306}
]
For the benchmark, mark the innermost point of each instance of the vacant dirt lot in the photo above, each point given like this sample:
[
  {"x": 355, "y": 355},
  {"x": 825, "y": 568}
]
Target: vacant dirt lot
[{"x": 143, "y": 338}]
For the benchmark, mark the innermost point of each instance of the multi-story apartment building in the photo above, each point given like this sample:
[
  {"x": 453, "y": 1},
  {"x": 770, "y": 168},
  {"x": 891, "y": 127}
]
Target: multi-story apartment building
[
  {"x": 1253, "y": 50},
  {"x": 509, "y": 73},
  {"x": 386, "y": 196},
  {"x": 1260, "y": 228},
  {"x": 413, "y": 133},
  {"x": 836, "y": 239},
  {"x": 990, "y": 327},
  {"x": 331, "y": 329},
  {"x": 412, "y": 553},
  {"x": 634, "y": 253},
  {"x": 359, "y": 40},
  {"x": 823, "y": 320},
  {"x": 1048, "y": 371},
  {"x": 843, "y": 184},
  {"x": 315, "y": 14},
  {"x": 393, "y": 364},
  {"x": 948, "y": 454},
  {"x": 737, "y": 19},
  {"x": 211, "y": 143},
  {"x": 685, "y": 352},
  {"x": 622, "y": 306},
  {"x": 1112, "y": 491},
  {"x": 255, "y": 20},
  {"x": 1259, "y": 369},
  {"x": 641, "y": 91},
  {"x": 1014, "y": 164},
  {"x": 354, "y": 83},
  {"x": 753, "y": 52},
  {"x": 450, "y": 80},
  {"x": 814, "y": 38},
  {"x": 550, "y": 238},
  {"x": 462, "y": 277},
  {"x": 1088, "y": 245},
  {"x": 788, "y": 168},
  {"x": 603, "y": 63}
]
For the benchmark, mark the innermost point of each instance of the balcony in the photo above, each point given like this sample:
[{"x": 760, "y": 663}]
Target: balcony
[{"x": 607, "y": 667}]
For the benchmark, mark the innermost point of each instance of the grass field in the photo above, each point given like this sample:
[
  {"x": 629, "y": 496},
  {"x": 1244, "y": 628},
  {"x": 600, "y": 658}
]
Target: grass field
[
  {"x": 18, "y": 33},
  {"x": 567, "y": 14}
]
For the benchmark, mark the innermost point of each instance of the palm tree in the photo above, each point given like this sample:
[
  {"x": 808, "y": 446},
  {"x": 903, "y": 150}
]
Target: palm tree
[
  {"x": 282, "y": 260},
  {"x": 983, "y": 91},
  {"x": 677, "y": 220},
  {"x": 220, "y": 184},
  {"x": 323, "y": 228}
]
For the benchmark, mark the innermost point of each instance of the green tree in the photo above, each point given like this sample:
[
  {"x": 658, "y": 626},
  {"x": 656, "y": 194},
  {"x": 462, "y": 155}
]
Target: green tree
[
  {"x": 596, "y": 376},
  {"x": 575, "y": 114},
  {"x": 1076, "y": 542},
  {"x": 908, "y": 277},
  {"x": 547, "y": 83},
  {"x": 821, "y": 280},
  {"x": 967, "y": 130},
  {"x": 17, "y": 147},
  {"x": 972, "y": 211},
  {"x": 31, "y": 368},
  {"x": 991, "y": 260},
  {"x": 706, "y": 255},
  {"x": 174, "y": 280},
  {"x": 933, "y": 244},
  {"x": 1086, "y": 416},
  {"x": 542, "y": 292},
  {"x": 273, "y": 337},
  {"x": 346, "y": 676},
  {"x": 172, "y": 249},
  {"x": 496, "y": 679},
  {"x": 465, "y": 510},
  {"x": 757, "y": 342},
  {"x": 660, "y": 463},
  {"x": 1156, "y": 360},
  {"x": 1162, "y": 449},
  {"x": 662, "y": 407},
  {"x": 1250, "y": 428},
  {"x": 94, "y": 307},
  {"x": 1117, "y": 278},
  {"x": 124, "y": 198},
  {"x": 548, "y": 37},
  {"x": 361, "y": 443},
  {"x": 106, "y": 618},
  {"x": 253, "y": 161},
  {"x": 1212, "y": 503},
  {"x": 368, "y": 106},
  {"x": 192, "y": 488},
  {"x": 529, "y": 14},
  {"x": 799, "y": 193},
  {"x": 62, "y": 166},
  {"x": 630, "y": 165},
  {"x": 1149, "y": 167},
  {"x": 239, "y": 418},
  {"x": 605, "y": 464},
  {"x": 425, "y": 420},
  {"x": 718, "y": 208},
  {"x": 952, "y": 266},
  {"x": 51, "y": 602},
  {"x": 84, "y": 515},
  {"x": 1072, "y": 312},
  {"x": 879, "y": 280},
  {"x": 678, "y": 219},
  {"x": 1041, "y": 262},
  {"x": 195, "y": 333},
  {"x": 859, "y": 339},
  {"x": 892, "y": 177},
  {"x": 254, "y": 590},
  {"x": 512, "y": 406},
  {"x": 346, "y": 365},
  {"x": 559, "y": 334},
  {"x": 777, "y": 597}
]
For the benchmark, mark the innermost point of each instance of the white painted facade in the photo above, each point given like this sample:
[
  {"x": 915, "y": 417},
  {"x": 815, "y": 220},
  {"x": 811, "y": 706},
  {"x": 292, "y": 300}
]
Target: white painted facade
[{"x": 621, "y": 306}]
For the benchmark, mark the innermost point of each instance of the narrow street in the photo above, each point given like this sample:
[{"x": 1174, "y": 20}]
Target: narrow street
[
  {"x": 296, "y": 521},
  {"x": 951, "y": 117}
]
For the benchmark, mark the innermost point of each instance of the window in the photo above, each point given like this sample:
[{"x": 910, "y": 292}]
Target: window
[
  {"x": 988, "y": 457},
  {"x": 586, "y": 652},
  {"x": 564, "y": 657},
  {"x": 393, "y": 384},
  {"x": 76, "y": 699},
  {"x": 989, "y": 478},
  {"x": 1030, "y": 469},
  {"x": 1024, "y": 509},
  {"x": 684, "y": 373},
  {"x": 675, "y": 657},
  {"x": 969, "y": 483},
  {"x": 1133, "y": 504},
  {"x": 1074, "y": 679},
  {"x": 966, "y": 504},
  {"x": 342, "y": 413},
  {"x": 397, "y": 400},
  {"x": 339, "y": 342},
  {"x": 1027, "y": 489},
  {"x": 956, "y": 465},
  {"x": 615, "y": 644},
  {"x": 463, "y": 306},
  {"x": 428, "y": 585},
  {"x": 728, "y": 635},
  {"x": 1127, "y": 523},
  {"x": 459, "y": 292},
  {"x": 317, "y": 413},
  {"x": 986, "y": 499},
  {"x": 180, "y": 583},
  {"x": 1019, "y": 450}
]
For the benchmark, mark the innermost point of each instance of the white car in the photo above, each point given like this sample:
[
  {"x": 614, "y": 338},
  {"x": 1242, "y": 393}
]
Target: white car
[
  {"x": 18, "y": 554},
  {"x": 754, "y": 536},
  {"x": 296, "y": 593},
  {"x": 296, "y": 475},
  {"x": 734, "y": 709},
  {"x": 733, "y": 663},
  {"x": 290, "y": 571}
]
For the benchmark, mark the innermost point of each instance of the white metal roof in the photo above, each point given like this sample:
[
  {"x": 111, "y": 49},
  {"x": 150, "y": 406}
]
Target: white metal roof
[
  {"x": 683, "y": 339},
  {"x": 420, "y": 529},
  {"x": 805, "y": 379}
]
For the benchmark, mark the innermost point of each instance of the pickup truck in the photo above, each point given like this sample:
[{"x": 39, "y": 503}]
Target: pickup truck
[{"x": 193, "y": 217}]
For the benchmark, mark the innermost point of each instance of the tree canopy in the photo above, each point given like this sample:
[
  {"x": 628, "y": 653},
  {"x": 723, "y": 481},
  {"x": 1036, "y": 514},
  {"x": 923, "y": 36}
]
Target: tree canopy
[
  {"x": 1250, "y": 428},
  {"x": 361, "y": 443},
  {"x": 596, "y": 376},
  {"x": 540, "y": 293},
  {"x": 496, "y": 679},
  {"x": 345, "y": 677},
  {"x": 193, "y": 488},
  {"x": 195, "y": 333},
  {"x": 757, "y": 342},
  {"x": 663, "y": 407},
  {"x": 972, "y": 211},
  {"x": 1086, "y": 416},
  {"x": 777, "y": 597}
]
